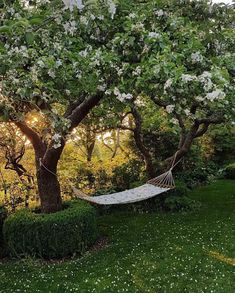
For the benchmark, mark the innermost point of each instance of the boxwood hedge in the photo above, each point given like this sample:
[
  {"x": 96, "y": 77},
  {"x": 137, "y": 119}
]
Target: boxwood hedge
[{"x": 56, "y": 235}]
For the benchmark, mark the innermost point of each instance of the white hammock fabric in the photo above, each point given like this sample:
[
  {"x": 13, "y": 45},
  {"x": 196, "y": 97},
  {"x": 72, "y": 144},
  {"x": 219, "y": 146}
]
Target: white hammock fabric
[
  {"x": 140, "y": 193},
  {"x": 152, "y": 188}
]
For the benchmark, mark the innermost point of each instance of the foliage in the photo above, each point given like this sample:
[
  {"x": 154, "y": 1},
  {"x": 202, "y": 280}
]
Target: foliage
[
  {"x": 154, "y": 252},
  {"x": 58, "y": 63},
  {"x": 127, "y": 175},
  {"x": 224, "y": 144},
  {"x": 180, "y": 190},
  {"x": 56, "y": 235},
  {"x": 198, "y": 170},
  {"x": 3, "y": 215},
  {"x": 229, "y": 171},
  {"x": 180, "y": 203},
  {"x": 174, "y": 200}
]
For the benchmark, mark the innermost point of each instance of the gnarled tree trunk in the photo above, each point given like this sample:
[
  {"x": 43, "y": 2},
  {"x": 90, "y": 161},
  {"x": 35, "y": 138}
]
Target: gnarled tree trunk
[
  {"x": 140, "y": 143},
  {"x": 47, "y": 156}
]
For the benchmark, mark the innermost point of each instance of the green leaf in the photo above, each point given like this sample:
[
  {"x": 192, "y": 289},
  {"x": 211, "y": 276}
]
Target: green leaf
[
  {"x": 5, "y": 29},
  {"x": 29, "y": 37},
  {"x": 36, "y": 21}
]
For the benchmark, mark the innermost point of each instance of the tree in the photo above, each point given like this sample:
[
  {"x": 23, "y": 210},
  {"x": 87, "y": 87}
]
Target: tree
[
  {"x": 181, "y": 55},
  {"x": 61, "y": 63},
  {"x": 54, "y": 62}
]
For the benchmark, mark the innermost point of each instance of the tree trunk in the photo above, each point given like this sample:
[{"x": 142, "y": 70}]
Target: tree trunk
[
  {"x": 47, "y": 180},
  {"x": 49, "y": 191},
  {"x": 47, "y": 156},
  {"x": 140, "y": 144},
  {"x": 90, "y": 149}
]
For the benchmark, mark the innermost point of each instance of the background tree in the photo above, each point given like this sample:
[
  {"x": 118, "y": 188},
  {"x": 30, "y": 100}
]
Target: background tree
[{"x": 181, "y": 55}]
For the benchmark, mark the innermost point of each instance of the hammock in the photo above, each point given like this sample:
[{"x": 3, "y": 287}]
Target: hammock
[{"x": 152, "y": 188}]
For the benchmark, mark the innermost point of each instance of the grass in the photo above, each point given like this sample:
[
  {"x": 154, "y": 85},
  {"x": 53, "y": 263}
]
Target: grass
[{"x": 192, "y": 252}]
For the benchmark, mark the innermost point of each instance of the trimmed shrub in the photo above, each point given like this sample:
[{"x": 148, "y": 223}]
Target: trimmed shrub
[
  {"x": 56, "y": 235},
  {"x": 3, "y": 215},
  {"x": 229, "y": 171}
]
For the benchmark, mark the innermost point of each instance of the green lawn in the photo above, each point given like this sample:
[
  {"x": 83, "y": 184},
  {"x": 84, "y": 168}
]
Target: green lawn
[{"x": 193, "y": 252}]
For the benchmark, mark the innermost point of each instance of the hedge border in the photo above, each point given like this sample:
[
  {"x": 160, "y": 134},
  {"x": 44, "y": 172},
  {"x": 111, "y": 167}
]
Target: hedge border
[{"x": 57, "y": 235}]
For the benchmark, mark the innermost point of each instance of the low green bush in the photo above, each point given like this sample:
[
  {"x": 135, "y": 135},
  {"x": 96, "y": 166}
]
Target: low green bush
[
  {"x": 180, "y": 203},
  {"x": 229, "y": 172},
  {"x": 56, "y": 235},
  {"x": 3, "y": 215},
  {"x": 180, "y": 189}
]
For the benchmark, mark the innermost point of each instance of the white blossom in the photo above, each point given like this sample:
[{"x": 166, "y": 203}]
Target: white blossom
[
  {"x": 51, "y": 73},
  {"x": 116, "y": 91},
  {"x": 92, "y": 16},
  {"x": 70, "y": 27},
  {"x": 205, "y": 79},
  {"x": 112, "y": 8},
  {"x": 168, "y": 84},
  {"x": 188, "y": 77},
  {"x": 102, "y": 87},
  {"x": 159, "y": 13},
  {"x": 215, "y": 95},
  {"x": 199, "y": 98},
  {"x": 137, "y": 71},
  {"x": 170, "y": 108},
  {"x": 84, "y": 20},
  {"x": 56, "y": 138},
  {"x": 40, "y": 63},
  {"x": 58, "y": 63},
  {"x": 132, "y": 15},
  {"x": 174, "y": 121},
  {"x": 56, "y": 145},
  {"x": 70, "y": 4},
  {"x": 34, "y": 74},
  {"x": 83, "y": 53},
  {"x": 196, "y": 57},
  {"x": 122, "y": 96},
  {"x": 138, "y": 26},
  {"x": 154, "y": 35}
]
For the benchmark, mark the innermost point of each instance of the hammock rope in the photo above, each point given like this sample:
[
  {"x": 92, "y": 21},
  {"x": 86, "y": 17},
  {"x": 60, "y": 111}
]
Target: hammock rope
[{"x": 153, "y": 187}]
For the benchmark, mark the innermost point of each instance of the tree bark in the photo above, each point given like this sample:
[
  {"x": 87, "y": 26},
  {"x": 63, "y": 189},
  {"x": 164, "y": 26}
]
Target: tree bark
[
  {"x": 46, "y": 160},
  {"x": 90, "y": 142},
  {"x": 140, "y": 143},
  {"x": 48, "y": 183},
  {"x": 49, "y": 191}
]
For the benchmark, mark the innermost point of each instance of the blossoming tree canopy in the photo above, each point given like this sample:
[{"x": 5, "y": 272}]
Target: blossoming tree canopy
[
  {"x": 59, "y": 59},
  {"x": 55, "y": 63},
  {"x": 181, "y": 55}
]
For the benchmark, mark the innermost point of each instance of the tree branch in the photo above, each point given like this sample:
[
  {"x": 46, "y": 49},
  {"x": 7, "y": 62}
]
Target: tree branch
[
  {"x": 159, "y": 102},
  {"x": 211, "y": 120},
  {"x": 80, "y": 112},
  {"x": 29, "y": 133},
  {"x": 202, "y": 130}
]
